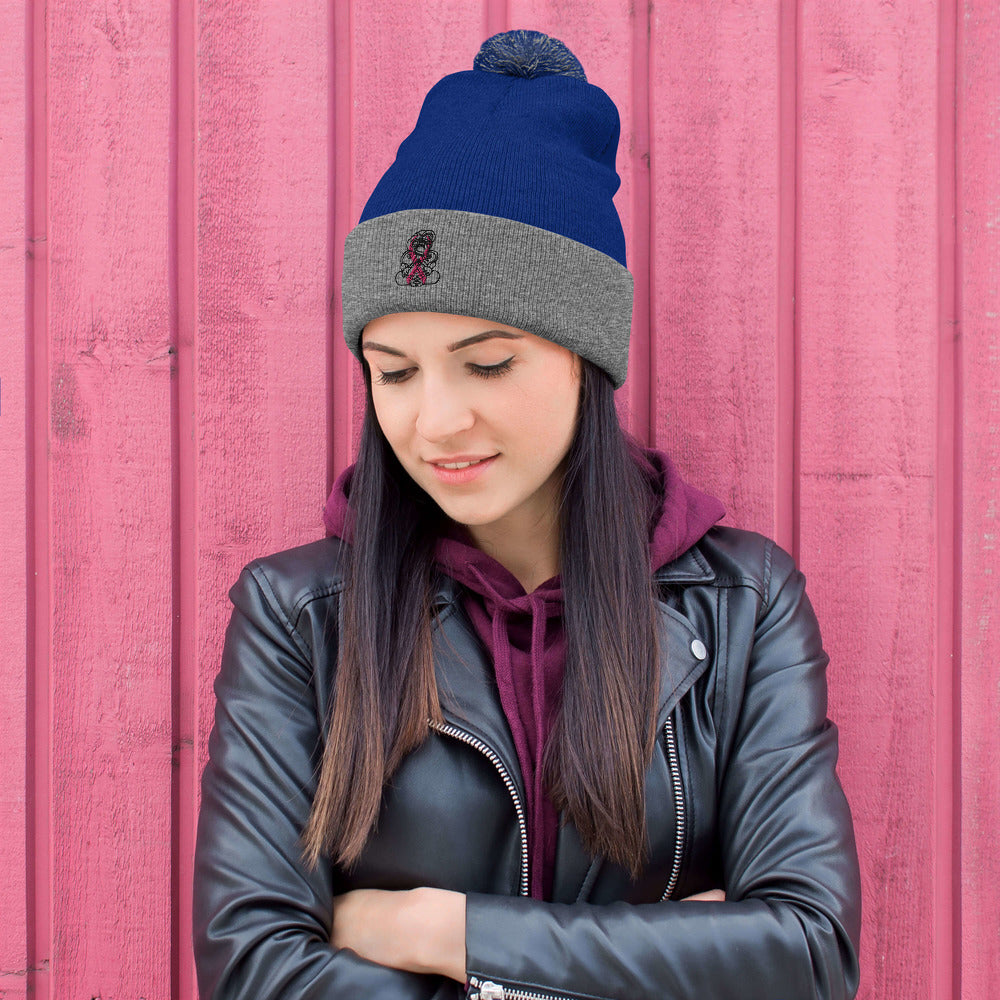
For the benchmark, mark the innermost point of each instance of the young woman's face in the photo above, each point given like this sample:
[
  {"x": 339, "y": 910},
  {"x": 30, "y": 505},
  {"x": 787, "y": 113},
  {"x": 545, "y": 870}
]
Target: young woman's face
[{"x": 453, "y": 390}]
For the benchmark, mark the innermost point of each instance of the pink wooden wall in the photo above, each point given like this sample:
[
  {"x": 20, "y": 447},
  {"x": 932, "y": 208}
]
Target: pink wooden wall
[{"x": 811, "y": 192}]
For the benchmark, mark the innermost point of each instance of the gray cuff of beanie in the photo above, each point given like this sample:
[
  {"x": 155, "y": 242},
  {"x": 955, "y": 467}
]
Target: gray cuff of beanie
[{"x": 448, "y": 261}]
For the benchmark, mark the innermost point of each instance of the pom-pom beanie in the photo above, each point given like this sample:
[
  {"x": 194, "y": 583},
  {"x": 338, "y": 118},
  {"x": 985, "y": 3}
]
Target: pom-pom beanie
[{"x": 499, "y": 205}]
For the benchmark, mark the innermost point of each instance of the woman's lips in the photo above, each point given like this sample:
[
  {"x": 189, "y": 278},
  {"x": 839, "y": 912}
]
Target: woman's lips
[{"x": 458, "y": 477}]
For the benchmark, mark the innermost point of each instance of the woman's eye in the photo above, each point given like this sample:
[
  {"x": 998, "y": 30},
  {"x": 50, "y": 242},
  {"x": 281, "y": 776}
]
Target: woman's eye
[
  {"x": 493, "y": 371},
  {"x": 391, "y": 378}
]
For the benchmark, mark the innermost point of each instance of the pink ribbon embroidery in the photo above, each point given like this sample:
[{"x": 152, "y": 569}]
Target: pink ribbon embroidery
[{"x": 416, "y": 265}]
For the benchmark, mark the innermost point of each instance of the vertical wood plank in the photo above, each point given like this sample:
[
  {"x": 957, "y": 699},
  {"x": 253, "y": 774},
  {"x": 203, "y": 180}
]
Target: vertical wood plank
[
  {"x": 13, "y": 509},
  {"x": 868, "y": 314},
  {"x": 946, "y": 655},
  {"x": 604, "y": 37},
  {"x": 714, "y": 81},
  {"x": 38, "y": 778},
  {"x": 786, "y": 346},
  {"x": 341, "y": 367},
  {"x": 257, "y": 363},
  {"x": 979, "y": 405},
  {"x": 109, "y": 446},
  {"x": 183, "y": 433}
]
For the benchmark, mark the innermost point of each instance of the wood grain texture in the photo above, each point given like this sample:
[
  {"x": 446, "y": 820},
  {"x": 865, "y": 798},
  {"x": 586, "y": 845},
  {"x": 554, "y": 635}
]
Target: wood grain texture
[
  {"x": 109, "y": 448},
  {"x": 714, "y": 92},
  {"x": 978, "y": 153},
  {"x": 868, "y": 317},
  {"x": 14, "y": 349},
  {"x": 259, "y": 352}
]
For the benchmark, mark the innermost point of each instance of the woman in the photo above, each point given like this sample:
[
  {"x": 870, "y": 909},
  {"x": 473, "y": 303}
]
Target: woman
[{"x": 527, "y": 697}]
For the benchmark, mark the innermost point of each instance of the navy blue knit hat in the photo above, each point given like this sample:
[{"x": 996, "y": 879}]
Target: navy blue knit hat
[{"x": 499, "y": 205}]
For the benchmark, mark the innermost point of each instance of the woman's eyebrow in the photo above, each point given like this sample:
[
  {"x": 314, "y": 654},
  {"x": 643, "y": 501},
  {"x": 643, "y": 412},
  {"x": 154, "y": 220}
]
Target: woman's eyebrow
[
  {"x": 478, "y": 338},
  {"x": 370, "y": 345}
]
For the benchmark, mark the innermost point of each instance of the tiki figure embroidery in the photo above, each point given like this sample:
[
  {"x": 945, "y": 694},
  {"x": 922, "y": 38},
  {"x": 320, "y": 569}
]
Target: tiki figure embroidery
[{"x": 418, "y": 260}]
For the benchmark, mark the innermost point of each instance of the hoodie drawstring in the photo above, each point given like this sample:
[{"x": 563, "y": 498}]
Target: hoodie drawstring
[{"x": 539, "y": 607}]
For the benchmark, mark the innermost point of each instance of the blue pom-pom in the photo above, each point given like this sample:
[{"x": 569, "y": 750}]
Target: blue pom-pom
[{"x": 528, "y": 54}]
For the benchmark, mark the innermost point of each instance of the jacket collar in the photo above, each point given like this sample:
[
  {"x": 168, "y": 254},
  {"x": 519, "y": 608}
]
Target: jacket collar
[
  {"x": 467, "y": 686},
  {"x": 689, "y": 567}
]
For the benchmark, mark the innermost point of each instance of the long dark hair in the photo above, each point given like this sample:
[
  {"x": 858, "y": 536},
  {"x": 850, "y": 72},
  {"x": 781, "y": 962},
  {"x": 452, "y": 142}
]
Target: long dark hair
[{"x": 385, "y": 691}]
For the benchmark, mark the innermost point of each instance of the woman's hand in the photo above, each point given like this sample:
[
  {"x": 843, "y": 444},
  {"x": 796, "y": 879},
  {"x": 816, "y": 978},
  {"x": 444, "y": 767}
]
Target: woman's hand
[
  {"x": 416, "y": 930},
  {"x": 710, "y": 896}
]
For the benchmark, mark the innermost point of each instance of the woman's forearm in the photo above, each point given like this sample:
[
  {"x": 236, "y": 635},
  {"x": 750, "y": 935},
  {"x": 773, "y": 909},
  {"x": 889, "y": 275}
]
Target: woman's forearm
[{"x": 417, "y": 930}]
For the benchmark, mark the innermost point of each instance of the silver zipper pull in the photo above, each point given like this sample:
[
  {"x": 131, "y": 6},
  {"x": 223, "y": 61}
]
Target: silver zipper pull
[{"x": 487, "y": 991}]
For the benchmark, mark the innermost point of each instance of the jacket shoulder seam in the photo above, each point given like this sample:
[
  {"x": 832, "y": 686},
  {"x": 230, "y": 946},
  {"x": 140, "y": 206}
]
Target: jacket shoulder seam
[
  {"x": 768, "y": 552},
  {"x": 315, "y": 595},
  {"x": 759, "y": 577},
  {"x": 290, "y": 620}
]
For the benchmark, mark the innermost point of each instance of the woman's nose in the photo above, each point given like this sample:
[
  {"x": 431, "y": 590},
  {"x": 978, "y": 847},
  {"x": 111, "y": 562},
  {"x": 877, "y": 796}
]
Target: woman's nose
[{"x": 443, "y": 413}]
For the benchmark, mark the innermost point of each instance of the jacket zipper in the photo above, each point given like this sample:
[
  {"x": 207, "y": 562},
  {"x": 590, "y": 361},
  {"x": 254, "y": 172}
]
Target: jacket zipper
[
  {"x": 479, "y": 989},
  {"x": 491, "y": 756},
  {"x": 673, "y": 762},
  {"x": 488, "y": 990}
]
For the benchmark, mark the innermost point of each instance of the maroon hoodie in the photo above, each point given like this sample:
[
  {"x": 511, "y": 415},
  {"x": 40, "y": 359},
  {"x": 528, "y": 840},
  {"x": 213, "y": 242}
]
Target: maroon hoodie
[{"x": 525, "y": 633}]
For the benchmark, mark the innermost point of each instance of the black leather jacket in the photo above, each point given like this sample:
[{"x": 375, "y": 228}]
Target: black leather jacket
[{"x": 741, "y": 795}]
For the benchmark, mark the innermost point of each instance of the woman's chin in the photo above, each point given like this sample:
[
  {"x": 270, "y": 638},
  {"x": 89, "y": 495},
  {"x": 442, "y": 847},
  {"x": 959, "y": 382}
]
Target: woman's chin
[{"x": 470, "y": 514}]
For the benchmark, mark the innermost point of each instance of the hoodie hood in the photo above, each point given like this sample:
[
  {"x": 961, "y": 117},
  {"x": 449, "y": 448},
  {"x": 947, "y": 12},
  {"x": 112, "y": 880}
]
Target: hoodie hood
[{"x": 683, "y": 513}]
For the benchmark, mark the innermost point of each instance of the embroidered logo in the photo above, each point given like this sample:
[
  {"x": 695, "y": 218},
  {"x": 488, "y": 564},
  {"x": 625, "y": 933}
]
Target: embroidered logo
[{"x": 416, "y": 265}]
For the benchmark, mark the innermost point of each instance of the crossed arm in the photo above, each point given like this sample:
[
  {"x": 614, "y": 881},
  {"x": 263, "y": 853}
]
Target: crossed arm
[{"x": 418, "y": 930}]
